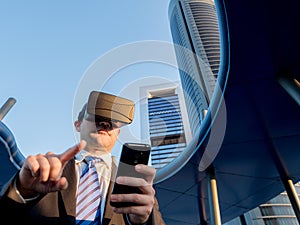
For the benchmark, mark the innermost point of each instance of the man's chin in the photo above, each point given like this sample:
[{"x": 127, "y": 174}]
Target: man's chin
[{"x": 99, "y": 134}]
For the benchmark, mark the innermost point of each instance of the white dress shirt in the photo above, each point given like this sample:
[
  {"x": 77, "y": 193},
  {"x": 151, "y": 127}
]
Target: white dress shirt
[{"x": 103, "y": 170}]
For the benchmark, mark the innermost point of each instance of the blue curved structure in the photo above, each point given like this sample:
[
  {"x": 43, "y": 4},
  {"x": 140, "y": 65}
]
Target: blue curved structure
[
  {"x": 11, "y": 158},
  {"x": 259, "y": 89}
]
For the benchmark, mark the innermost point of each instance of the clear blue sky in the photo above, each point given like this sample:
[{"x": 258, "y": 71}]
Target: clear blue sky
[{"x": 46, "y": 49}]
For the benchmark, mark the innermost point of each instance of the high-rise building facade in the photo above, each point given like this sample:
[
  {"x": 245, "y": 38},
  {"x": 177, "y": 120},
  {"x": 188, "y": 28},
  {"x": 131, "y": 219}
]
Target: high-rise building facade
[
  {"x": 277, "y": 211},
  {"x": 164, "y": 116},
  {"x": 194, "y": 28}
]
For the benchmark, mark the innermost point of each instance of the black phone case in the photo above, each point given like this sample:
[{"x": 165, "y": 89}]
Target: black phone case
[{"x": 131, "y": 155}]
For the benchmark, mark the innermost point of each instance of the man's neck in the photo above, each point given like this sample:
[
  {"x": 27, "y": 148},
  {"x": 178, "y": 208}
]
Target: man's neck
[{"x": 97, "y": 150}]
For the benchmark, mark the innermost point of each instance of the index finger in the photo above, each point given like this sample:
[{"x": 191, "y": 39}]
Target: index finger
[{"x": 71, "y": 152}]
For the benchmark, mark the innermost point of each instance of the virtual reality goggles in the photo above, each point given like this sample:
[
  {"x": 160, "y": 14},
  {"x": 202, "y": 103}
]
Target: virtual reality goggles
[{"x": 108, "y": 107}]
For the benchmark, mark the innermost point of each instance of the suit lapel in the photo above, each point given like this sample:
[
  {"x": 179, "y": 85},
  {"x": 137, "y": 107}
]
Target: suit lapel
[
  {"x": 68, "y": 195},
  {"x": 108, "y": 213}
]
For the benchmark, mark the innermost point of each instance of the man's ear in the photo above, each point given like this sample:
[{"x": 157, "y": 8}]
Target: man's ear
[
  {"x": 117, "y": 131},
  {"x": 77, "y": 125}
]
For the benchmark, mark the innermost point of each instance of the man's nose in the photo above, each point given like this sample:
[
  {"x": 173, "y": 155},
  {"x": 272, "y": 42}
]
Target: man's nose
[{"x": 105, "y": 125}]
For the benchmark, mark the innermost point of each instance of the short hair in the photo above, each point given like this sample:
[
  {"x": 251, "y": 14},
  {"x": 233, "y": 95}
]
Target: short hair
[{"x": 81, "y": 113}]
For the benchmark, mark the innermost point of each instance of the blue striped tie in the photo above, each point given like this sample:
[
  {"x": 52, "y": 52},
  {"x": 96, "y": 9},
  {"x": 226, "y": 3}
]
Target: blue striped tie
[{"x": 88, "y": 207}]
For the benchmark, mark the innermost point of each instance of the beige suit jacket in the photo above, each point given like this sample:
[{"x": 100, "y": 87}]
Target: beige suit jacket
[{"x": 60, "y": 207}]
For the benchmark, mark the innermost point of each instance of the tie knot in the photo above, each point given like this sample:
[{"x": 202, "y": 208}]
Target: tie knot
[{"x": 92, "y": 160}]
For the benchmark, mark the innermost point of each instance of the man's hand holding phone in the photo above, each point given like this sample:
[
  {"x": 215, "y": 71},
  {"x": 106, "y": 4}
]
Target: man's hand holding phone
[{"x": 133, "y": 193}]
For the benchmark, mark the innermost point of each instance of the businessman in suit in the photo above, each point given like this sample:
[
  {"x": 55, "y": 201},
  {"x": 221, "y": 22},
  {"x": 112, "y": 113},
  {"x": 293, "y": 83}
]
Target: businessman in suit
[{"x": 44, "y": 191}]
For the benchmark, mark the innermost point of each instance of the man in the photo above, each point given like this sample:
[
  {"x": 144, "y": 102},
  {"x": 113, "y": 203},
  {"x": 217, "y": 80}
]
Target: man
[{"x": 44, "y": 190}]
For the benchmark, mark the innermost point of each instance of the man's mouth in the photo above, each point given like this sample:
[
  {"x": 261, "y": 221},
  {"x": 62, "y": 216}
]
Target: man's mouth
[{"x": 101, "y": 130}]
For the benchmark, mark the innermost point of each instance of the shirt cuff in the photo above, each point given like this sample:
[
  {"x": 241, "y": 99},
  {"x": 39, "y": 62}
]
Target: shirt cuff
[{"x": 15, "y": 194}]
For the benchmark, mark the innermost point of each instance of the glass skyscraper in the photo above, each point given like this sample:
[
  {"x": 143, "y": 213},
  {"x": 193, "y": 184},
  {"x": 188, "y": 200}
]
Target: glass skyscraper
[
  {"x": 166, "y": 120},
  {"x": 194, "y": 28}
]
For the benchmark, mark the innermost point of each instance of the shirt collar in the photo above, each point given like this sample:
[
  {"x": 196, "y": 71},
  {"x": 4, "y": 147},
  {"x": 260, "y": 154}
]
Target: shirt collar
[{"x": 106, "y": 157}]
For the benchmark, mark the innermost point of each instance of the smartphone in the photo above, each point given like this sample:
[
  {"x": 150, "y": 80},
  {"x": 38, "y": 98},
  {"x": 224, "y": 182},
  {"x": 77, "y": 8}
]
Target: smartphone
[{"x": 131, "y": 155}]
